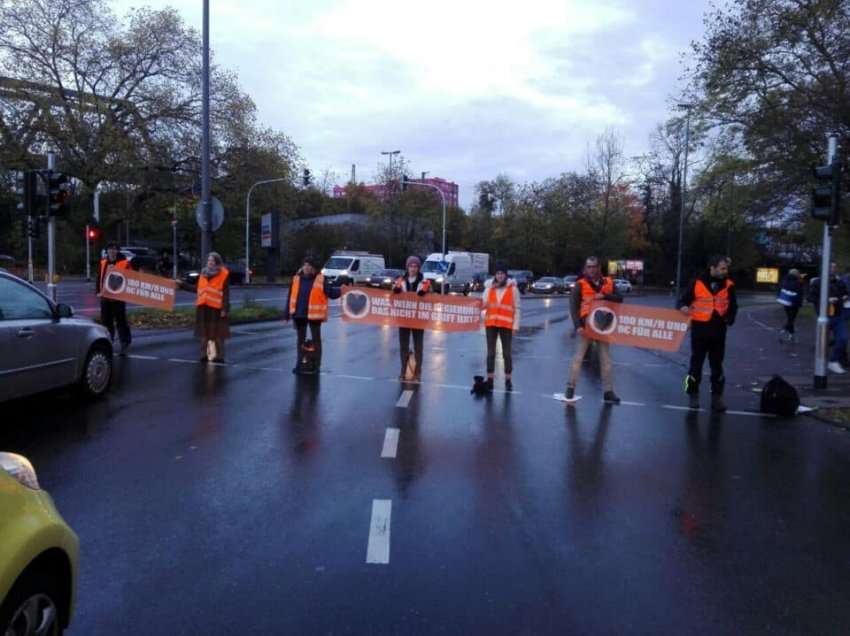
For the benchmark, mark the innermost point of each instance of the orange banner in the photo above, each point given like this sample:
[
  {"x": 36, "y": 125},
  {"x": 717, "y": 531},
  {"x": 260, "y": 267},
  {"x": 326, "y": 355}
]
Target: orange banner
[
  {"x": 636, "y": 325},
  {"x": 432, "y": 311},
  {"x": 139, "y": 289}
]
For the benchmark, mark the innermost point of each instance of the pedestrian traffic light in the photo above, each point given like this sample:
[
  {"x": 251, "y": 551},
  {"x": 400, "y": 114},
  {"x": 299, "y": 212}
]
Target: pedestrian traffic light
[
  {"x": 31, "y": 227},
  {"x": 25, "y": 188},
  {"x": 404, "y": 182},
  {"x": 307, "y": 178},
  {"x": 58, "y": 193},
  {"x": 826, "y": 196}
]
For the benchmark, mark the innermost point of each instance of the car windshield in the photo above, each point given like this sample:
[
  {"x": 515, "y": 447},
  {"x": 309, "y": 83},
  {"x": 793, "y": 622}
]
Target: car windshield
[
  {"x": 390, "y": 272},
  {"x": 337, "y": 262},
  {"x": 547, "y": 279},
  {"x": 571, "y": 279},
  {"x": 439, "y": 267}
]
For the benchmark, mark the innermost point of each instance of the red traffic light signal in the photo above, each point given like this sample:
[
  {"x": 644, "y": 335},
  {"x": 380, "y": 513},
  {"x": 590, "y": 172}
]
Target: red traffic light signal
[{"x": 93, "y": 233}]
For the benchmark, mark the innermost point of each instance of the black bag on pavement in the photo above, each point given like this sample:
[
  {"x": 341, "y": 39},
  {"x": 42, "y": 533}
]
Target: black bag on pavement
[
  {"x": 779, "y": 398},
  {"x": 308, "y": 359},
  {"x": 479, "y": 386}
]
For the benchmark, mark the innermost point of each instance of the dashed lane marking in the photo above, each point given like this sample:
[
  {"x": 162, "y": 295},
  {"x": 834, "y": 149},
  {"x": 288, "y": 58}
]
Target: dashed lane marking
[
  {"x": 390, "y": 443},
  {"x": 136, "y": 356},
  {"x": 676, "y": 407},
  {"x": 183, "y": 361},
  {"x": 405, "y": 398},
  {"x": 378, "y": 548}
]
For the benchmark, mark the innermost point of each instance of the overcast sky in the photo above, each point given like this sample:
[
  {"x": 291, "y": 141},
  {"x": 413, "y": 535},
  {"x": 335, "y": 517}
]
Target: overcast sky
[{"x": 465, "y": 89}]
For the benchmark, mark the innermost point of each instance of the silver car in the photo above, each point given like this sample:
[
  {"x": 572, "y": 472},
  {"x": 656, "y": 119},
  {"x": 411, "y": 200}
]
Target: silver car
[{"x": 45, "y": 347}]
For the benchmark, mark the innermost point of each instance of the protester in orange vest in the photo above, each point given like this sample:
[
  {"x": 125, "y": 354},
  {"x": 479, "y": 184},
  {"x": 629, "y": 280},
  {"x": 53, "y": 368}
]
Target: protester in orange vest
[
  {"x": 501, "y": 311},
  {"x": 591, "y": 286},
  {"x": 413, "y": 281},
  {"x": 212, "y": 307},
  {"x": 711, "y": 303},
  {"x": 114, "y": 312},
  {"x": 307, "y": 304}
]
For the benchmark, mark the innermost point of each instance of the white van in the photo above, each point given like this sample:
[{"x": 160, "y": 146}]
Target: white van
[
  {"x": 452, "y": 273},
  {"x": 352, "y": 268}
]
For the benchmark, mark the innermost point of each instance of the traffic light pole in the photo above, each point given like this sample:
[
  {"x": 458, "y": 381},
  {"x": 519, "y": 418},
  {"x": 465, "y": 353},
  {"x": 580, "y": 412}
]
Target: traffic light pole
[
  {"x": 30, "y": 269},
  {"x": 822, "y": 327},
  {"x": 88, "y": 254},
  {"x": 51, "y": 237},
  {"x": 206, "y": 231}
]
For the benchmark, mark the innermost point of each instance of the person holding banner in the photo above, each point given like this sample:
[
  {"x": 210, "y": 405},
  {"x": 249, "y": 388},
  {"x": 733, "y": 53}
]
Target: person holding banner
[
  {"x": 711, "y": 303},
  {"x": 791, "y": 298},
  {"x": 114, "y": 312},
  {"x": 212, "y": 306},
  {"x": 412, "y": 281},
  {"x": 501, "y": 311},
  {"x": 591, "y": 286},
  {"x": 307, "y": 305}
]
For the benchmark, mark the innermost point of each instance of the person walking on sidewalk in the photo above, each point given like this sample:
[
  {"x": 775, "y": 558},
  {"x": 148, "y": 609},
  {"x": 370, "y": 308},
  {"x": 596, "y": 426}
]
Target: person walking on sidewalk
[
  {"x": 307, "y": 305},
  {"x": 114, "y": 312},
  {"x": 411, "y": 281},
  {"x": 591, "y": 286},
  {"x": 712, "y": 304},
  {"x": 212, "y": 308},
  {"x": 837, "y": 297},
  {"x": 501, "y": 309},
  {"x": 791, "y": 298}
]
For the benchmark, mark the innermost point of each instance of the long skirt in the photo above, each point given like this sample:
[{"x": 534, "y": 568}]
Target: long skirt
[{"x": 209, "y": 325}]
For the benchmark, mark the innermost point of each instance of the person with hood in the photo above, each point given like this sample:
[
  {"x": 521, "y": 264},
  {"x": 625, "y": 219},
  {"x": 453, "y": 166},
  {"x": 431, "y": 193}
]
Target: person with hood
[
  {"x": 591, "y": 286},
  {"x": 212, "y": 307},
  {"x": 501, "y": 311},
  {"x": 791, "y": 298},
  {"x": 710, "y": 301},
  {"x": 411, "y": 281},
  {"x": 838, "y": 296},
  {"x": 307, "y": 305},
  {"x": 114, "y": 312}
]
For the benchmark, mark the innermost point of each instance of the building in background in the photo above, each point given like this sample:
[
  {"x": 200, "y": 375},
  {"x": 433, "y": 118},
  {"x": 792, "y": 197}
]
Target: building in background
[{"x": 381, "y": 190}]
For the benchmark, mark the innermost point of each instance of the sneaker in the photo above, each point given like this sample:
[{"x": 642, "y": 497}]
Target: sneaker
[
  {"x": 509, "y": 386},
  {"x": 693, "y": 401},
  {"x": 835, "y": 367},
  {"x": 610, "y": 398},
  {"x": 717, "y": 403},
  {"x": 570, "y": 393}
]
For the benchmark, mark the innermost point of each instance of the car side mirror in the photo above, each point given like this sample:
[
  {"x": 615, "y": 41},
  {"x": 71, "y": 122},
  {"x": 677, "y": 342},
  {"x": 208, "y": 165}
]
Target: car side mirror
[{"x": 64, "y": 311}]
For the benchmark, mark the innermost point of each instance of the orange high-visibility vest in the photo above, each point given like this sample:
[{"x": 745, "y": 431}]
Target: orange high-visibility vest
[
  {"x": 588, "y": 292},
  {"x": 317, "y": 307},
  {"x": 424, "y": 285},
  {"x": 705, "y": 303},
  {"x": 104, "y": 264},
  {"x": 211, "y": 290},
  {"x": 500, "y": 314}
]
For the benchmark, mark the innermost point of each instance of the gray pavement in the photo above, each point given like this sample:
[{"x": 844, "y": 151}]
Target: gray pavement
[{"x": 241, "y": 499}]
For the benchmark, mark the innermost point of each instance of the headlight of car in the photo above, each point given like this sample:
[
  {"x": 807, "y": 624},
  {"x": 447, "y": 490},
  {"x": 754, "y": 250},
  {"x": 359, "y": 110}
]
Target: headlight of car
[
  {"x": 20, "y": 468},
  {"x": 439, "y": 279}
]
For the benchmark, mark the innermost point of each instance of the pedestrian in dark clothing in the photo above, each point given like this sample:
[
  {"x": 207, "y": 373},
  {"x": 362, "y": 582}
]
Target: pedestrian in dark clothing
[
  {"x": 712, "y": 304},
  {"x": 412, "y": 281},
  {"x": 113, "y": 313},
  {"x": 164, "y": 265},
  {"x": 791, "y": 298},
  {"x": 212, "y": 308},
  {"x": 838, "y": 304},
  {"x": 307, "y": 305}
]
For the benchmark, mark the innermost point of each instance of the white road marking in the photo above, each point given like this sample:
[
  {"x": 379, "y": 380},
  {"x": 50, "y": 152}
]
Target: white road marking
[
  {"x": 405, "y": 398},
  {"x": 354, "y": 377},
  {"x": 183, "y": 361},
  {"x": 627, "y": 403},
  {"x": 136, "y": 356},
  {"x": 750, "y": 413},
  {"x": 378, "y": 549},
  {"x": 675, "y": 407},
  {"x": 390, "y": 443},
  {"x": 452, "y": 386}
]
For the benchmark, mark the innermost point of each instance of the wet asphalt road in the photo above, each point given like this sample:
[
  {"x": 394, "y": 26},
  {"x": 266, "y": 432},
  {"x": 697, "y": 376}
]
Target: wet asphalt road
[{"x": 238, "y": 499}]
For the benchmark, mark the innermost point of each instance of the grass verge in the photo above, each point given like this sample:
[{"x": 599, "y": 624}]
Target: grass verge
[{"x": 184, "y": 317}]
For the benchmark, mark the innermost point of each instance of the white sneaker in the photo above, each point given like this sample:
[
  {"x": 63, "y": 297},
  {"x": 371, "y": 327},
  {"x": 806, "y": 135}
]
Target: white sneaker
[{"x": 835, "y": 367}]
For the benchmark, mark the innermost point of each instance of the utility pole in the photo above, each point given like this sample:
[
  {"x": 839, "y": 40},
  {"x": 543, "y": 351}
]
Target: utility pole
[
  {"x": 822, "y": 326},
  {"x": 206, "y": 232},
  {"x": 51, "y": 233},
  {"x": 687, "y": 107},
  {"x": 174, "y": 241}
]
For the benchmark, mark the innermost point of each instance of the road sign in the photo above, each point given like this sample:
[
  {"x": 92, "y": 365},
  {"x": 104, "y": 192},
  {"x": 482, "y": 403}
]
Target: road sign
[
  {"x": 266, "y": 231},
  {"x": 217, "y": 214}
]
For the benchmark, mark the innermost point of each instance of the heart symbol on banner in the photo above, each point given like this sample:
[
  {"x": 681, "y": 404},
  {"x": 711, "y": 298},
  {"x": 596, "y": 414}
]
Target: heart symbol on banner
[{"x": 356, "y": 304}]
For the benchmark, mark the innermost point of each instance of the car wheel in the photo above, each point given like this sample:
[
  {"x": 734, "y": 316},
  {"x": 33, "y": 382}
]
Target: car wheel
[
  {"x": 97, "y": 372},
  {"x": 31, "y": 607}
]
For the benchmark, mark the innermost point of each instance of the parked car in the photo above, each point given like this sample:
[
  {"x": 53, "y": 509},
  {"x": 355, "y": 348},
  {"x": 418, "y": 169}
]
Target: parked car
[
  {"x": 384, "y": 279},
  {"x": 7, "y": 262},
  {"x": 237, "y": 274},
  {"x": 523, "y": 277},
  {"x": 622, "y": 286},
  {"x": 45, "y": 346},
  {"x": 570, "y": 283},
  {"x": 40, "y": 553},
  {"x": 548, "y": 285},
  {"x": 142, "y": 259},
  {"x": 479, "y": 280}
]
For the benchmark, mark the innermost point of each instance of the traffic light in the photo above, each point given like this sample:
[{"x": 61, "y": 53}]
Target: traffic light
[
  {"x": 826, "y": 196},
  {"x": 25, "y": 188},
  {"x": 307, "y": 178},
  {"x": 404, "y": 182},
  {"x": 58, "y": 193},
  {"x": 93, "y": 233},
  {"x": 31, "y": 227}
]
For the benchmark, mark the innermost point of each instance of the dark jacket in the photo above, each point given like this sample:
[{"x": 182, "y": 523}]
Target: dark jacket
[
  {"x": 793, "y": 285},
  {"x": 837, "y": 290},
  {"x": 575, "y": 298},
  {"x": 98, "y": 282},
  {"x": 717, "y": 322},
  {"x": 302, "y": 303},
  {"x": 407, "y": 286}
]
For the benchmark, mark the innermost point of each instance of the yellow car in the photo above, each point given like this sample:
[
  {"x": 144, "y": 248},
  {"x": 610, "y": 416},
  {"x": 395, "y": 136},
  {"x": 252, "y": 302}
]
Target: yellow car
[{"x": 38, "y": 555}]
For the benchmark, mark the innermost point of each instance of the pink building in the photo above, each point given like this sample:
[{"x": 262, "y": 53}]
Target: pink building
[{"x": 448, "y": 188}]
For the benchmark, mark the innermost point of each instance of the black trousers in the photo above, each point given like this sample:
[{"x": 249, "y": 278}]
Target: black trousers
[
  {"x": 404, "y": 336},
  {"x": 790, "y": 317},
  {"x": 315, "y": 335},
  {"x": 712, "y": 343},
  {"x": 113, "y": 313},
  {"x": 506, "y": 336}
]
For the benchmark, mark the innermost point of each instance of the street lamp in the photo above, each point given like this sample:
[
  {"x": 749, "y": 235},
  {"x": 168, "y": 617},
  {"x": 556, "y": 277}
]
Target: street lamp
[
  {"x": 442, "y": 200},
  {"x": 390, "y": 154},
  {"x": 248, "y": 225},
  {"x": 688, "y": 108}
]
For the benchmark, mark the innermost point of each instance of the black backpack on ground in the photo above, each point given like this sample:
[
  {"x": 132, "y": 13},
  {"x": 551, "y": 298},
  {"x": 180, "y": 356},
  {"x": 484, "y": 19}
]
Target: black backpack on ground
[
  {"x": 308, "y": 359},
  {"x": 779, "y": 398}
]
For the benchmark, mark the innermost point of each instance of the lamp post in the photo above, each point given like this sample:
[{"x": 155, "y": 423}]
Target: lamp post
[
  {"x": 686, "y": 107},
  {"x": 390, "y": 154},
  {"x": 248, "y": 225},
  {"x": 442, "y": 200}
]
